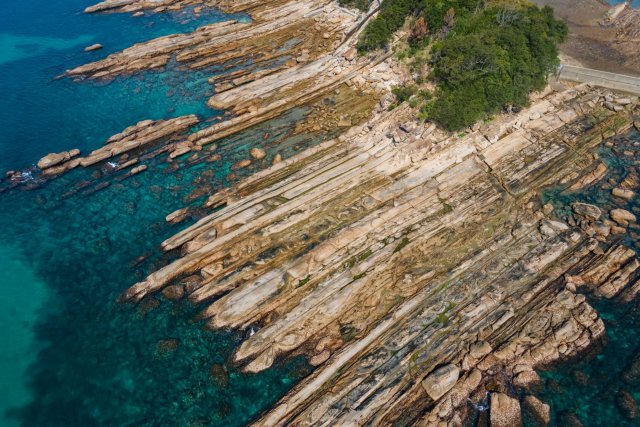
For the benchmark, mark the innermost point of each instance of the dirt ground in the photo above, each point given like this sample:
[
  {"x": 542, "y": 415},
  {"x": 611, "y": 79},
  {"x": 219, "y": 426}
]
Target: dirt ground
[{"x": 590, "y": 44}]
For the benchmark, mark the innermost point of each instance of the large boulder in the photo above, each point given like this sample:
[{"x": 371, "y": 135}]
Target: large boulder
[
  {"x": 627, "y": 405},
  {"x": 54, "y": 159},
  {"x": 537, "y": 413},
  {"x": 623, "y": 193},
  {"x": 586, "y": 210},
  {"x": 258, "y": 153},
  {"x": 622, "y": 217},
  {"x": 440, "y": 381},
  {"x": 505, "y": 411},
  {"x": 527, "y": 380}
]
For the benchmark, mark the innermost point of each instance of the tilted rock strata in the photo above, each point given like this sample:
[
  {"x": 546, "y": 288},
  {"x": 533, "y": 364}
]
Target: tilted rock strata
[
  {"x": 410, "y": 267},
  {"x": 279, "y": 30},
  {"x": 139, "y": 136},
  {"x": 229, "y": 6}
]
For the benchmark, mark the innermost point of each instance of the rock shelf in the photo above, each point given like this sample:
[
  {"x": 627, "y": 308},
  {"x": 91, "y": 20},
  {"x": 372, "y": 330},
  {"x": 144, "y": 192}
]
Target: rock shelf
[
  {"x": 139, "y": 136},
  {"x": 414, "y": 269},
  {"x": 410, "y": 266},
  {"x": 294, "y": 31}
]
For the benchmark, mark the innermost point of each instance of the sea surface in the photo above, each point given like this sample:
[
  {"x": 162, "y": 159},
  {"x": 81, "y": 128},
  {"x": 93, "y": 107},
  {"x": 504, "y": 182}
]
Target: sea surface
[
  {"x": 70, "y": 355},
  {"x": 591, "y": 387}
]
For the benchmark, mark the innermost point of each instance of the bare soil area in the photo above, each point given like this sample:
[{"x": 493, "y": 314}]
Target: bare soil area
[{"x": 590, "y": 43}]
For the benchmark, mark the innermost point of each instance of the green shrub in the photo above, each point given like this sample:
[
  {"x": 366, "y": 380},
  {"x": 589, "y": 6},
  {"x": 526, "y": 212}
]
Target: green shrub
[{"x": 484, "y": 58}]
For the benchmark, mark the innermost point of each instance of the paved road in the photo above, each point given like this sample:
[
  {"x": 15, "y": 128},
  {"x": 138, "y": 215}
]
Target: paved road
[{"x": 613, "y": 81}]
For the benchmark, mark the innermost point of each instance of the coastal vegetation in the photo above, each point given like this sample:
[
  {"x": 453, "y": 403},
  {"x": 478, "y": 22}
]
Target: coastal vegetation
[{"x": 483, "y": 56}]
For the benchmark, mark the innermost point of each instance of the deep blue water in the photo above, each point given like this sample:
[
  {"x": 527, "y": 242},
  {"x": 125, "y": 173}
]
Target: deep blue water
[{"x": 69, "y": 354}]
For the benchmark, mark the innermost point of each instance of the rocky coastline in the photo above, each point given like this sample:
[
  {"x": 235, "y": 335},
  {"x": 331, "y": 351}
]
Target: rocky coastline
[{"x": 417, "y": 270}]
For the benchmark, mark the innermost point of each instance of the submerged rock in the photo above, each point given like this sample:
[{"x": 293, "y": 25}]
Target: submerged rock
[
  {"x": 173, "y": 292},
  {"x": 258, "y": 153},
  {"x": 569, "y": 419},
  {"x": 631, "y": 374},
  {"x": 219, "y": 375},
  {"x": 627, "y": 405},
  {"x": 166, "y": 346}
]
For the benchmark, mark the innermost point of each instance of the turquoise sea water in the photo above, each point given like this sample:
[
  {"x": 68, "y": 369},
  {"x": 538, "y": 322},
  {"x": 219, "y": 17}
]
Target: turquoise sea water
[
  {"x": 590, "y": 387},
  {"x": 70, "y": 355}
]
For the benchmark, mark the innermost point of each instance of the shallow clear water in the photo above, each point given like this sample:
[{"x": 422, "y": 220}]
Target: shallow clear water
[
  {"x": 70, "y": 355},
  {"x": 588, "y": 388}
]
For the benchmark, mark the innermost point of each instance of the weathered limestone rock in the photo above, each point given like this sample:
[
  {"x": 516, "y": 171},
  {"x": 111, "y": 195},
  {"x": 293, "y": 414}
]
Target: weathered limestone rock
[
  {"x": 590, "y": 178},
  {"x": 173, "y": 292},
  {"x": 479, "y": 349},
  {"x": 340, "y": 245},
  {"x": 505, "y": 411},
  {"x": 527, "y": 380},
  {"x": 441, "y": 381},
  {"x": 144, "y": 134}
]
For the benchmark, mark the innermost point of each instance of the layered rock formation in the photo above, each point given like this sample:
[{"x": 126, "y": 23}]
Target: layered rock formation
[
  {"x": 415, "y": 269},
  {"x": 137, "y": 137},
  {"x": 280, "y": 32},
  {"x": 410, "y": 266}
]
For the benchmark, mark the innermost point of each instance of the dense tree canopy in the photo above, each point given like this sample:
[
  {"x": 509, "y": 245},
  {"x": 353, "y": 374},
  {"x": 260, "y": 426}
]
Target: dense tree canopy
[{"x": 485, "y": 55}]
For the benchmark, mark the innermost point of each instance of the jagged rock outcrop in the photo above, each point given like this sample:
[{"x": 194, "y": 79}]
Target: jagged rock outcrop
[
  {"x": 410, "y": 266},
  {"x": 142, "y": 135},
  {"x": 305, "y": 30}
]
